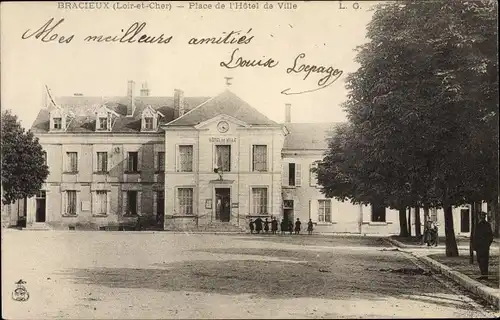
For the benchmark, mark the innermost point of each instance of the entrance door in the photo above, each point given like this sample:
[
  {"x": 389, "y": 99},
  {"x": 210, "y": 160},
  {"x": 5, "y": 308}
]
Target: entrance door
[
  {"x": 40, "y": 206},
  {"x": 287, "y": 212},
  {"x": 222, "y": 204},
  {"x": 464, "y": 220}
]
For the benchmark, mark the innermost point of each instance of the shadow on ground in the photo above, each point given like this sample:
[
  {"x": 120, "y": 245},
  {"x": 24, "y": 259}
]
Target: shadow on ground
[
  {"x": 318, "y": 240},
  {"x": 312, "y": 274}
]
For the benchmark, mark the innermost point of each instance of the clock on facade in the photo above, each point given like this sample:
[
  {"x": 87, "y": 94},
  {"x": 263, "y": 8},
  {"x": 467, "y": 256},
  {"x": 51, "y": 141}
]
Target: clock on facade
[{"x": 223, "y": 126}]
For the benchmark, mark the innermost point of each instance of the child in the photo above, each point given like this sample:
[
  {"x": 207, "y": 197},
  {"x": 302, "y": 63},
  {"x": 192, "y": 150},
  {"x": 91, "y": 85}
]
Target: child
[
  {"x": 251, "y": 226},
  {"x": 266, "y": 226},
  {"x": 310, "y": 227},
  {"x": 290, "y": 226}
]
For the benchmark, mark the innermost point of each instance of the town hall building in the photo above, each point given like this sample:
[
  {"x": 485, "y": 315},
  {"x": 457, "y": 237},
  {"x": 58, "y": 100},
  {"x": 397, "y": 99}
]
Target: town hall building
[{"x": 185, "y": 163}]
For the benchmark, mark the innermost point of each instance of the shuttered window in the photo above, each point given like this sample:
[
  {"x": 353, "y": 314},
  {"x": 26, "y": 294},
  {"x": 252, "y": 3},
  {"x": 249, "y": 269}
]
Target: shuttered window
[
  {"x": 259, "y": 158},
  {"x": 324, "y": 210},
  {"x": 185, "y": 199},
  {"x": 101, "y": 202},
  {"x": 186, "y": 158},
  {"x": 72, "y": 161},
  {"x": 259, "y": 201},
  {"x": 223, "y": 158},
  {"x": 71, "y": 202},
  {"x": 160, "y": 161},
  {"x": 102, "y": 161}
]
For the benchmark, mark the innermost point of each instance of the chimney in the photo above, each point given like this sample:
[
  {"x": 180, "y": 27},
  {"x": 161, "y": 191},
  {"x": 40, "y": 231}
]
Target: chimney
[
  {"x": 288, "y": 112},
  {"x": 130, "y": 98},
  {"x": 178, "y": 103},
  {"x": 145, "y": 90}
]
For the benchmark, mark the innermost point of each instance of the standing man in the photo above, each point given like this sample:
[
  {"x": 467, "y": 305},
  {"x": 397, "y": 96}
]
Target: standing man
[
  {"x": 274, "y": 225},
  {"x": 483, "y": 237},
  {"x": 297, "y": 226}
]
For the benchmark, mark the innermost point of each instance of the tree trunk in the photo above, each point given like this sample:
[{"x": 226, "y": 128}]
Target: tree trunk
[
  {"x": 409, "y": 222},
  {"x": 403, "y": 226},
  {"x": 472, "y": 231},
  {"x": 451, "y": 241},
  {"x": 426, "y": 214},
  {"x": 418, "y": 230}
]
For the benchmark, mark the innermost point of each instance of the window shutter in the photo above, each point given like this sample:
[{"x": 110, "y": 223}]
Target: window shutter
[
  {"x": 95, "y": 164},
  {"x": 155, "y": 199},
  {"x": 156, "y": 163},
  {"x": 139, "y": 202},
  {"x": 284, "y": 174},
  {"x": 94, "y": 203},
  {"x": 252, "y": 157},
  {"x": 109, "y": 120},
  {"x": 124, "y": 202},
  {"x": 312, "y": 176},
  {"x": 298, "y": 174},
  {"x": 139, "y": 159},
  {"x": 314, "y": 210}
]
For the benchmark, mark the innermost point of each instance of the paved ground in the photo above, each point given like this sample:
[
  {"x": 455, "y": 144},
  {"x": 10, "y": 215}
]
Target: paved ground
[
  {"x": 462, "y": 265},
  {"x": 161, "y": 275}
]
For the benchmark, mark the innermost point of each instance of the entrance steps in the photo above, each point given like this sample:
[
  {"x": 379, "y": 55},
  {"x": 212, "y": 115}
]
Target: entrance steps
[
  {"x": 37, "y": 226},
  {"x": 220, "y": 227}
]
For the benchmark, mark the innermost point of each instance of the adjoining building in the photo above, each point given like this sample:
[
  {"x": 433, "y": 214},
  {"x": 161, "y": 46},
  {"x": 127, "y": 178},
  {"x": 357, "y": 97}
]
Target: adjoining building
[{"x": 186, "y": 163}]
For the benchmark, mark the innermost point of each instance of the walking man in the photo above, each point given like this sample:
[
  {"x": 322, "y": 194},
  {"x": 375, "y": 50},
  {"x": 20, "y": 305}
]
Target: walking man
[{"x": 483, "y": 237}]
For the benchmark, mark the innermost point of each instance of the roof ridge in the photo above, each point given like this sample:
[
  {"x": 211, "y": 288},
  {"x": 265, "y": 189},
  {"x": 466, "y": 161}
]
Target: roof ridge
[{"x": 201, "y": 104}]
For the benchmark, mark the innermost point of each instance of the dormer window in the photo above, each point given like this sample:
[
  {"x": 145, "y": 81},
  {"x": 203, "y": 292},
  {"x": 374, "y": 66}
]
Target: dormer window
[
  {"x": 59, "y": 120},
  {"x": 102, "y": 123},
  {"x": 105, "y": 118},
  {"x": 148, "y": 123},
  {"x": 150, "y": 118},
  {"x": 57, "y": 123}
]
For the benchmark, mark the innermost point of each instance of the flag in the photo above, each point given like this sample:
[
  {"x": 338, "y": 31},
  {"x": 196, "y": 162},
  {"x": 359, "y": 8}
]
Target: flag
[{"x": 216, "y": 163}]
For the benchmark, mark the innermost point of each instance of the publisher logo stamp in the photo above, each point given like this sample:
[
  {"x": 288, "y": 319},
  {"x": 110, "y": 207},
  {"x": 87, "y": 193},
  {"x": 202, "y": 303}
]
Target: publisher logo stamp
[{"x": 20, "y": 293}]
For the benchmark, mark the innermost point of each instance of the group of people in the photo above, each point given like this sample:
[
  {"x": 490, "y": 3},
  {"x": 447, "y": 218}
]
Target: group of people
[
  {"x": 481, "y": 241},
  {"x": 258, "y": 225},
  {"x": 430, "y": 236}
]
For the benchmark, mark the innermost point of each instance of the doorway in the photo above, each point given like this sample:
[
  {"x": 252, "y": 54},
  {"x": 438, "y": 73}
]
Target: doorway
[
  {"x": 40, "y": 206},
  {"x": 464, "y": 220},
  {"x": 287, "y": 212},
  {"x": 223, "y": 204}
]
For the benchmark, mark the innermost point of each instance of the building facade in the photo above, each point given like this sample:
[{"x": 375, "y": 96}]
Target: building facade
[{"x": 185, "y": 163}]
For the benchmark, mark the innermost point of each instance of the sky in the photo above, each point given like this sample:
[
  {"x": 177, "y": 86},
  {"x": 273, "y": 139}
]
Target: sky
[{"x": 324, "y": 33}]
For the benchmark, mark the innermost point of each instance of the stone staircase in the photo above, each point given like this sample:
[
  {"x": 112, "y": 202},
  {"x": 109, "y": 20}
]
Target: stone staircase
[
  {"x": 220, "y": 227},
  {"x": 37, "y": 226}
]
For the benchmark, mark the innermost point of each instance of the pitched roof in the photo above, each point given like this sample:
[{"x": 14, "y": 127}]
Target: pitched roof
[
  {"x": 309, "y": 136},
  {"x": 225, "y": 103},
  {"x": 83, "y": 108}
]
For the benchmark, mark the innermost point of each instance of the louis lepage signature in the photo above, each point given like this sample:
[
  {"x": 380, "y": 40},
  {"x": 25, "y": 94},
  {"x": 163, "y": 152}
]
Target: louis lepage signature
[{"x": 135, "y": 34}]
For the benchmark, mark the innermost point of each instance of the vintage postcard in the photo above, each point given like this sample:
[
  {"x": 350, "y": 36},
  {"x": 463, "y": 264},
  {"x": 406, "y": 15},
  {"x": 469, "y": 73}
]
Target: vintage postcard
[{"x": 249, "y": 159}]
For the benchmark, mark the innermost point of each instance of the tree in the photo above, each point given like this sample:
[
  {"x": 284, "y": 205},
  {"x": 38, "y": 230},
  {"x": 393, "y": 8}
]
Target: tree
[
  {"x": 23, "y": 162},
  {"x": 421, "y": 109}
]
